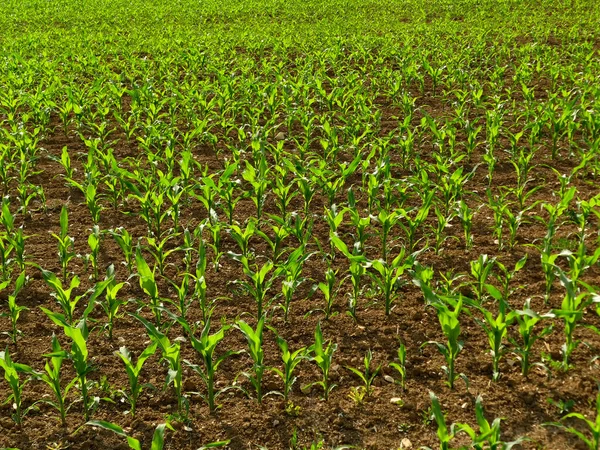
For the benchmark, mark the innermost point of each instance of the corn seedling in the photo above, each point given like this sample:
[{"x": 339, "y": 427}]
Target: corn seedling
[
  {"x": 14, "y": 310},
  {"x": 496, "y": 329},
  {"x": 133, "y": 372},
  {"x": 66, "y": 251},
  {"x": 158, "y": 438},
  {"x": 254, "y": 337},
  {"x": 445, "y": 434},
  {"x": 12, "y": 372},
  {"x": 290, "y": 361},
  {"x": 571, "y": 311},
  {"x": 52, "y": 377},
  {"x": 172, "y": 354},
  {"x": 480, "y": 270},
  {"x": 148, "y": 284},
  {"x": 488, "y": 435},
  {"x": 358, "y": 268},
  {"x": 158, "y": 248},
  {"x": 65, "y": 297},
  {"x": 78, "y": 355},
  {"x": 368, "y": 374},
  {"x": 387, "y": 277},
  {"x": 465, "y": 215},
  {"x": 400, "y": 366},
  {"x": 112, "y": 302},
  {"x": 450, "y": 324},
  {"x": 527, "y": 319},
  {"x": 94, "y": 244},
  {"x": 258, "y": 284},
  {"x": 206, "y": 345},
  {"x": 125, "y": 242},
  {"x": 329, "y": 291},
  {"x": 592, "y": 438},
  {"x": 322, "y": 354},
  {"x": 292, "y": 271}
]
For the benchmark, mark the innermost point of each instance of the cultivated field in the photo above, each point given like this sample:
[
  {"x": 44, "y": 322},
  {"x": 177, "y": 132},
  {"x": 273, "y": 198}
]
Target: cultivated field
[{"x": 299, "y": 224}]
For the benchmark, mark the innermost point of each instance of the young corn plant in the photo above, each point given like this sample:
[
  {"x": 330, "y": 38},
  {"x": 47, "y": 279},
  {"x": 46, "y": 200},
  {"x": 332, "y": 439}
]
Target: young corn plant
[
  {"x": 488, "y": 435},
  {"x": 292, "y": 271},
  {"x": 208, "y": 190},
  {"x": 189, "y": 244},
  {"x": 66, "y": 249},
  {"x": 158, "y": 438},
  {"x": 449, "y": 321},
  {"x": 527, "y": 319},
  {"x": 496, "y": 329},
  {"x": 158, "y": 249},
  {"x": 499, "y": 205},
  {"x": 301, "y": 228},
  {"x": 149, "y": 285},
  {"x": 257, "y": 177},
  {"x": 94, "y": 244},
  {"x": 206, "y": 306},
  {"x": 133, "y": 373},
  {"x": 242, "y": 237},
  {"x": 64, "y": 296},
  {"x": 441, "y": 235},
  {"x": 368, "y": 374},
  {"x": 112, "y": 302},
  {"x": 92, "y": 201},
  {"x": 12, "y": 372},
  {"x": 215, "y": 231},
  {"x": 125, "y": 242},
  {"x": 284, "y": 192},
  {"x": 206, "y": 345},
  {"x": 411, "y": 225},
  {"x": 358, "y": 268},
  {"x": 322, "y": 354},
  {"x": 227, "y": 187},
  {"x": 184, "y": 300},
  {"x": 6, "y": 250},
  {"x": 362, "y": 225},
  {"x": 505, "y": 277},
  {"x": 571, "y": 311},
  {"x": 14, "y": 310},
  {"x": 387, "y": 277},
  {"x": 52, "y": 377},
  {"x": 480, "y": 270},
  {"x": 258, "y": 283},
  {"x": 547, "y": 257},
  {"x": 175, "y": 193},
  {"x": 465, "y": 215},
  {"x": 78, "y": 355},
  {"x": 579, "y": 261},
  {"x": 400, "y": 366},
  {"x": 445, "y": 434},
  {"x": 592, "y": 438},
  {"x": 387, "y": 221},
  {"x": 329, "y": 291},
  {"x": 334, "y": 219},
  {"x": 275, "y": 244},
  {"x": 17, "y": 242},
  {"x": 290, "y": 361},
  {"x": 151, "y": 210},
  {"x": 254, "y": 337},
  {"x": 172, "y": 354}
]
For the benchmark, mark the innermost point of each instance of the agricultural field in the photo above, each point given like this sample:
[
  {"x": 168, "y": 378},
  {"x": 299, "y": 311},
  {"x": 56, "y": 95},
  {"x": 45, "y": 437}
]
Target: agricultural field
[{"x": 272, "y": 224}]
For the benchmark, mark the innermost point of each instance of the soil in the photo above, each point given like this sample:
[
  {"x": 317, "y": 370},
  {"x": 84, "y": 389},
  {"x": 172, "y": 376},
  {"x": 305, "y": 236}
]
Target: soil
[{"x": 377, "y": 423}]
